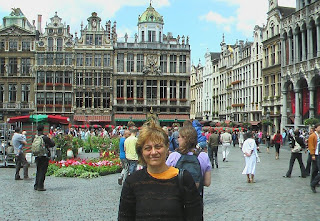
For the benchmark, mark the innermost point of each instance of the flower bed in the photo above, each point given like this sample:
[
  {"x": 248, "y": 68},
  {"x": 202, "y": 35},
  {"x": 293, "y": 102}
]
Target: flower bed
[{"x": 83, "y": 168}]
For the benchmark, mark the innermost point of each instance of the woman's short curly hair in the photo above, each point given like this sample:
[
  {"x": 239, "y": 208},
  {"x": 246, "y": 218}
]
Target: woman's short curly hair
[
  {"x": 150, "y": 131},
  {"x": 191, "y": 139}
]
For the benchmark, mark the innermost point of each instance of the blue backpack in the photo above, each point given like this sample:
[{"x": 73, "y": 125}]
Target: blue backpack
[{"x": 192, "y": 164}]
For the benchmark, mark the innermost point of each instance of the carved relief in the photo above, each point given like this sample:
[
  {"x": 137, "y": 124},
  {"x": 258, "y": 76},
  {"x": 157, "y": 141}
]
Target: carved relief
[{"x": 152, "y": 67}]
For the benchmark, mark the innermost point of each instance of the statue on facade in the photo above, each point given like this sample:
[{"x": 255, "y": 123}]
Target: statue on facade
[
  {"x": 152, "y": 117},
  {"x": 135, "y": 38}
]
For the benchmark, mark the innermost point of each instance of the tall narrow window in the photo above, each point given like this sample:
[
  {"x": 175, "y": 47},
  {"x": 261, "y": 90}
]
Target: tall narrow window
[
  {"x": 25, "y": 66},
  {"x": 120, "y": 88},
  {"x": 88, "y": 59},
  {"x": 183, "y": 64},
  {"x": 79, "y": 77},
  {"x": 97, "y": 99},
  {"x": 140, "y": 62},
  {"x": 139, "y": 88},
  {"x": 79, "y": 99},
  {"x": 79, "y": 59},
  {"x": 151, "y": 36},
  {"x": 106, "y": 100},
  {"x": 68, "y": 77},
  {"x": 50, "y": 44},
  {"x": 120, "y": 62},
  {"x": 40, "y": 77},
  {"x": 266, "y": 86},
  {"x": 13, "y": 45},
  {"x": 183, "y": 90},
  {"x": 107, "y": 60},
  {"x": 25, "y": 45},
  {"x": 13, "y": 67},
  {"x": 273, "y": 54},
  {"x": 88, "y": 79},
  {"x": 40, "y": 98},
  {"x": 58, "y": 99},
  {"x": 130, "y": 63},
  {"x": 67, "y": 99},
  {"x": 49, "y": 98},
  {"x": 163, "y": 63},
  {"x": 151, "y": 89},
  {"x": 97, "y": 60},
  {"x": 88, "y": 99},
  {"x": 106, "y": 79},
  {"x": 59, "y": 59},
  {"x": 59, "y": 77},
  {"x": 163, "y": 89},
  {"x": 129, "y": 88},
  {"x": 49, "y": 77},
  {"x": 173, "y": 89},
  {"x": 173, "y": 63},
  {"x": 25, "y": 92},
  {"x": 97, "y": 79},
  {"x": 68, "y": 59},
  {"x": 1, "y": 94},
  {"x": 89, "y": 39},
  {"x": 142, "y": 36},
  {"x": 50, "y": 57},
  {"x": 2, "y": 66},
  {"x": 40, "y": 59},
  {"x": 59, "y": 44},
  {"x": 98, "y": 39}
]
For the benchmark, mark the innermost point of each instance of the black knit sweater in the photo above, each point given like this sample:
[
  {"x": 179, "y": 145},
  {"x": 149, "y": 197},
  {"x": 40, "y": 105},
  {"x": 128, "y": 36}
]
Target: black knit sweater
[{"x": 144, "y": 197}]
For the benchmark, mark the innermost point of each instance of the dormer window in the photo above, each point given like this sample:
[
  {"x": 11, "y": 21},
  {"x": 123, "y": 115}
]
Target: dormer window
[
  {"x": 89, "y": 39},
  {"x": 60, "y": 31},
  {"x": 50, "y": 31}
]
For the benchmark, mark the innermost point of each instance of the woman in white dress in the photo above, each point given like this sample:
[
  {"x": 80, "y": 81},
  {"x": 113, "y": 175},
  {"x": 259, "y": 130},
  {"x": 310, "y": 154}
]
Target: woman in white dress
[{"x": 249, "y": 149}]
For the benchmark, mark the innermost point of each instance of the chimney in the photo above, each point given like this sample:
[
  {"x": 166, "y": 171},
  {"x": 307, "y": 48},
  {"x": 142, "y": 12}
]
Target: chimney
[{"x": 39, "y": 23}]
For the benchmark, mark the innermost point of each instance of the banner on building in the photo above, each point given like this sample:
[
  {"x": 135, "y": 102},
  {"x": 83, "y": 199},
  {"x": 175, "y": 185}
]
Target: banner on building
[
  {"x": 293, "y": 102},
  {"x": 305, "y": 101}
]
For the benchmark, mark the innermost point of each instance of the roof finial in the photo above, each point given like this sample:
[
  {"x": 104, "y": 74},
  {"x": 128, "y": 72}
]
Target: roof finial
[
  {"x": 223, "y": 37},
  {"x": 150, "y": 2}
]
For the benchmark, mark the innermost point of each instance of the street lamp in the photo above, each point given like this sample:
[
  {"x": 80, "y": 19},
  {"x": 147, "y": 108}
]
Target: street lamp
[{"x": 268, "y": 118}]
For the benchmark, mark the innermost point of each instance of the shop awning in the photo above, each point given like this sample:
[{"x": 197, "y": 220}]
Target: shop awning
[
  {"x": 130, "y": 117},
  {"x": 92, "y": 118},
  {"x": 254, "y": 123},
  {"x": 40, "y": 118},
  {"x": 173, "y": 118}
]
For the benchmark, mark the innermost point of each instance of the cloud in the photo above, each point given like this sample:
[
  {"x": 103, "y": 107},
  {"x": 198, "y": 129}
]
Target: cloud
[
  {"x": 74, "y": 11},
  {"x": 224, "y": 22},
  {"x": 248, "y": 14}
]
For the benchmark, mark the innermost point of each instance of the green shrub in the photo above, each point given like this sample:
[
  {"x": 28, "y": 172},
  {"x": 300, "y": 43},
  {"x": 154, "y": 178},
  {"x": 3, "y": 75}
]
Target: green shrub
[
  {"x": 52, "y": 168},
  {"x": 89, "y": 175},
  {"x": 65, "y": 172}
]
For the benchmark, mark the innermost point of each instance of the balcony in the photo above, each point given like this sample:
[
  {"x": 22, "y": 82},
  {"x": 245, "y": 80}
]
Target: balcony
[{"x": 17, "y": 106}]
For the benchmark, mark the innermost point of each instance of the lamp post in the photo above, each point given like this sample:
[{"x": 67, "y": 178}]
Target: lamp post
[{"x": 268, "y": 118}]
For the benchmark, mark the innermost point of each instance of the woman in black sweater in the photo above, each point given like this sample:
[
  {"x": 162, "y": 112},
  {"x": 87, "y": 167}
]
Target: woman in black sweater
[{"x": 156, "y": 192}]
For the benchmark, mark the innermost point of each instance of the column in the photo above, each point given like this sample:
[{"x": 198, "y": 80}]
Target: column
[
  {"x": 318, "y": 37},
  {"x": 283, "y": 51},
  {"x": 145, "y": 91},
  {"x": 125, "y": 59},
  {"x": 311, "y": 101},
  {"x": 284, "y": 117},
  {"x": 297, "y": 116},
  {"x": 310, "y": 43},
  {"x": 158, "y": 92},
  {"x": 296, "y": 47},
  {"x": 115, "y": 63},
  {"x": 303, "y": 38},
  {"x": 290, "y": 48}
]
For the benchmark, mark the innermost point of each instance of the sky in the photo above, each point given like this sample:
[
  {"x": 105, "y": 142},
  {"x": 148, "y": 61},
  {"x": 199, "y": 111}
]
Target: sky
[{"x": 204, "y": 21}]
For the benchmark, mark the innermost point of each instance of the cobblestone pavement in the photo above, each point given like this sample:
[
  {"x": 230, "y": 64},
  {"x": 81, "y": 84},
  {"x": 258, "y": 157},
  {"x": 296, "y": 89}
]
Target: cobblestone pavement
[{"x": 229, "y": 197}]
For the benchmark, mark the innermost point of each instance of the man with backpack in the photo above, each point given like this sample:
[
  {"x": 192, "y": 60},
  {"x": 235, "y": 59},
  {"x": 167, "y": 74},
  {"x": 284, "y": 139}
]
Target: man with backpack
[
  {"x": 187, "y": 158},
  {"x": 18, "y": 141},
  {"x": 40, "y": 148}
]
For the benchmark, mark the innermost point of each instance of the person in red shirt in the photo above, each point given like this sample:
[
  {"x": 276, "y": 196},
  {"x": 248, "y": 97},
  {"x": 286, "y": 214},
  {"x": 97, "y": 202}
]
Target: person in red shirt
[{"x": 277, "y": 140}]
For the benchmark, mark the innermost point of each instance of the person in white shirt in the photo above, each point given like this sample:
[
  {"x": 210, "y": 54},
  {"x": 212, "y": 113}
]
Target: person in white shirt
[{"x": 226, "y": 140}]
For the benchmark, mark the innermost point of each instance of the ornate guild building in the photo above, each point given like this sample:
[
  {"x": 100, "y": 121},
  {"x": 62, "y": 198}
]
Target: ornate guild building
[
  {"x": 151, "y": 70},
  {"x": 300, "y": 82},
  {"x": 17, "y": 59}
]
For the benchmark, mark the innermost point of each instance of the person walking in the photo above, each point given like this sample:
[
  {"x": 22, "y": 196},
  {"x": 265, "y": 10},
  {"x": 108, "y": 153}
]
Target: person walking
[
  {"x": 158, "y": 191},
  {"x": 250, "y": 152},
  {"x": 268, "y": 141},
  {"x": 123, "y": 159},
  {"x": 130, "y": 150},
  {"x": 314, "y": 148},
  {"x": 18, "y": 141},
  {"x": 297, "y": 146},
  {"x": 42, "y": 162},
  {"x": 226, "y": 140},
  {"x": 241, "y": 139},
  {"x": 309, "y": 160},
  {"x": 198, "y": 163},
  {"x": 213, "y": 143},
  {"x": 277, "y": 140}
]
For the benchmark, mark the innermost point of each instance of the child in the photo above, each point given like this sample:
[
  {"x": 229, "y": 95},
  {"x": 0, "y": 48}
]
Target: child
[{"x": 23, "y": 135}]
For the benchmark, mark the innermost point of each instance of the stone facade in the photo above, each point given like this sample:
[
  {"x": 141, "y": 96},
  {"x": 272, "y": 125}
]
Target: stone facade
[
  {"x": 300, "y": 58},
  {"x": 17, "y": 59}
]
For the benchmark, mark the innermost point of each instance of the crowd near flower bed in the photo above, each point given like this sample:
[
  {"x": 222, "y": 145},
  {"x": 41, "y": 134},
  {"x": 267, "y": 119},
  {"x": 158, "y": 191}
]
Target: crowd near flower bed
[{"x": 83, "y": 168}]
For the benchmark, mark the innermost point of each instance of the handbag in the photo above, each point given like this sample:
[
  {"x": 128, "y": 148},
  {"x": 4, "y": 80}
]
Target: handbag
[{"x": 297, "y": 147}]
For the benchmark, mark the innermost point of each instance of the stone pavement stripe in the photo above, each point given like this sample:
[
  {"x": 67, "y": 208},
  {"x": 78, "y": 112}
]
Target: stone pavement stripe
[{"x": 229, "y": 197}]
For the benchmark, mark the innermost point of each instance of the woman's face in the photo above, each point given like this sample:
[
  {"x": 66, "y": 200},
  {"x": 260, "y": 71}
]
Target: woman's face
[
  {"x": 154, "y": 154},
  {"x": 181, "y": 140}
]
